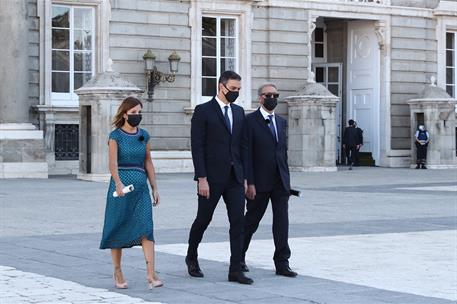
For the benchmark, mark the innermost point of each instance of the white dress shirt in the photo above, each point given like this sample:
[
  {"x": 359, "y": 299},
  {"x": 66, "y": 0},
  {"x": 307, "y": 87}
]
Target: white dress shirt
[
  {"x": 229, "y": 111},
  {"x": 265, "y": 115}
]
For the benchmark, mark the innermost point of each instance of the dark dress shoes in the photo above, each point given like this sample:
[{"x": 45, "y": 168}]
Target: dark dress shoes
[
  {"x": 244, "y": 267},
  {"x": 286, "y": 271},
  {"x": 239, "y": 277},
  {"x": 193, "y": 268}
]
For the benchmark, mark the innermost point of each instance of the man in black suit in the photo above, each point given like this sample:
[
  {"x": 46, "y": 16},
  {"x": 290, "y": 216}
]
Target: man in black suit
[
  {"x": 216, "y": 128},
  {"x": 360, "y": 140},
  {"x": 268, "y": 176},
  {"x": 351, "y": 142}
]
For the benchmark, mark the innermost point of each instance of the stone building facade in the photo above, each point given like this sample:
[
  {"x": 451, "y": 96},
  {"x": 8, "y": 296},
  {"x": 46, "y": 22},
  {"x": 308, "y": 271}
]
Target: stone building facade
[{"x": 375, "y": 55}]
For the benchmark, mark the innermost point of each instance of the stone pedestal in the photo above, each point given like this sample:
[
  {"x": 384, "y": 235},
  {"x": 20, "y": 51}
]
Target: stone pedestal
[
  {"x": 22, "y": 151},
  {"x": 312, "y": 129},
  {"x": 98, "y": 102},
  {"x": 436, "y": 110}
]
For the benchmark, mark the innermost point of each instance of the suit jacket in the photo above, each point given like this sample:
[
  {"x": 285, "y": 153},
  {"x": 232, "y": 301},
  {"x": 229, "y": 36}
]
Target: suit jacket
[
  {"x": 214, "y": 149},
  {"x": 350, "y": 137},
  {"x": 265, "y": 157},
  {"x": 360, "y": 135}
]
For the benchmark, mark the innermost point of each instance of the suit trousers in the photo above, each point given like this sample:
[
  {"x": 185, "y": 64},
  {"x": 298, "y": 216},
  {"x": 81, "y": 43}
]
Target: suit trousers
[
  {"x": 256, "y": 208},
  {"x": 233, "y": 194},
  {"x": 351, "y": 154}
]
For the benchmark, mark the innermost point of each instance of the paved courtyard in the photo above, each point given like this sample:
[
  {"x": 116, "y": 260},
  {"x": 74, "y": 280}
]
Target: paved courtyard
[{"x": 367, "y": 236}]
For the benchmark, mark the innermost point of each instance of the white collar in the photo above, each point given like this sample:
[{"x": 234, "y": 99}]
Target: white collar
[
  {"x": 265, "y": 114},
  {"x": 221, "y": 103}
]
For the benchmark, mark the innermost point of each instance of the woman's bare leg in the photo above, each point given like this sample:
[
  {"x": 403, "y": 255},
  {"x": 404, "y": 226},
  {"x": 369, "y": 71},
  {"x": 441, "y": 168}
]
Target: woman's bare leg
[
  {"x": 116, "y": 255},
  {"x": 148, "y": 250}
]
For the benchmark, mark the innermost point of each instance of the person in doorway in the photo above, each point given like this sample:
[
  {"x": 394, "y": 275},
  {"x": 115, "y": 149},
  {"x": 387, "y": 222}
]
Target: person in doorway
[
  {"x": 350, "y": 142},
  {"x": 128, "y": 217},
  {"x": 360, "y": 140},
  {"x": 268, "y": 176},
  {"x": 217, "y": 155},
  {"x": 422, "y": 138}
]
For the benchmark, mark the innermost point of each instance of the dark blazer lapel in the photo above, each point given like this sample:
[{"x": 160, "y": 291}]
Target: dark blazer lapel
[
  {"x": 263, "y": 123},
  {"x": 218, "y": 110}
]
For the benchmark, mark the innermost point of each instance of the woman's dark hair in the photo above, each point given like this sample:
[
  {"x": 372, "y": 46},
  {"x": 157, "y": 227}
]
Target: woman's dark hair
[
  {"x": 126, "y": 104},
  {"x": 227, "y": 75}
]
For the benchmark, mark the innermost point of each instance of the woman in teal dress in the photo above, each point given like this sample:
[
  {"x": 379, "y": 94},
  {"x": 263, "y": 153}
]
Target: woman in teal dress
[{"x": 128, "y": 217}]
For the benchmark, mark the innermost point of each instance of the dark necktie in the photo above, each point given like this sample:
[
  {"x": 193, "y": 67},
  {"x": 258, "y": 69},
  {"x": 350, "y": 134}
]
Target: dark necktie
[
  {"x": 227, "y": 119},
  {"x": 272, "y": 127}
]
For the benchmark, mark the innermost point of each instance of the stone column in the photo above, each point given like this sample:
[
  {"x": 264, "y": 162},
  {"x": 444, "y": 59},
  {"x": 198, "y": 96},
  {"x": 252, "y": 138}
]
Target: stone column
[
  {"x": 14, "y": 70},
  {"x": 312, "y": 129},
  {"x": 21, "y": 144},
  {"x": 436, "y": 110},
  {"x": 98, "y": 102}
]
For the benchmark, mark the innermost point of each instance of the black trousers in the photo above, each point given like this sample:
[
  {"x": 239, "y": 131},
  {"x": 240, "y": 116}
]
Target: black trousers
[
  {"x": 233, "y": 195},
  {"x": 351, "y": 152},
  {"x": 356, "y": 157},
  {"x": 280, "y": 205},
  {"x": 421, "y": 153}
]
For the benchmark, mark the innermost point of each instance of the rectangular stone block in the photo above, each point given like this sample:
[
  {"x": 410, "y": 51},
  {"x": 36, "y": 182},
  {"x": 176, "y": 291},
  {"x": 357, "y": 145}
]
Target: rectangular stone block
[
  {"x": 24, "y": 170},
  {"x": 279, "y": 36},
  {"x": 402, "y": 76},
  {"x": 408, "y": 43}
]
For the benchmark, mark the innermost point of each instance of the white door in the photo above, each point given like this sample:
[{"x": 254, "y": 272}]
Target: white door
[
  {"x": 330, "y": 76},
  {"x": 363, "y": 83}
]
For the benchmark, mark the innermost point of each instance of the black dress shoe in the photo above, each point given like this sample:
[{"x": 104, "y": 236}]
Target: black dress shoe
[
  {"x": 286, "y": 271},
  {"x": 239, "y": 277},
  {"x": 244, "y": 267},
  {"x": 193, "y": 268}
]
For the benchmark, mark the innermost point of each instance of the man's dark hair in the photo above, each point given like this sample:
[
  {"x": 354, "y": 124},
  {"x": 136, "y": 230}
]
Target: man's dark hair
[
  {"x": 351, "y": 122},
  {"x": 227, "y": 75}
]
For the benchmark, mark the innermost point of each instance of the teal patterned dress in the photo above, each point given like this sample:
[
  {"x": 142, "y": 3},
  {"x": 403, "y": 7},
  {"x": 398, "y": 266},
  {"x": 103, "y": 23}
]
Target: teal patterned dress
[{"x": 128, "y": 219}]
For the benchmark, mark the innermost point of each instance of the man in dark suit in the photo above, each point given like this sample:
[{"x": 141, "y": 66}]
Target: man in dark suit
[
  {"x": 360, "y": 140},
  {"x": 351, "y": 142},
  {"x": 268, "y": 176},
  {"x": 216, "y": 128}
]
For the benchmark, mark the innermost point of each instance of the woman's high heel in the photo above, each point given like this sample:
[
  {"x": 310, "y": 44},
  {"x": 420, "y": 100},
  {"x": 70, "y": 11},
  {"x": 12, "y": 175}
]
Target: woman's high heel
[
  {"x": 119, "y": 285},
  {"x": 154, "y": 283}
]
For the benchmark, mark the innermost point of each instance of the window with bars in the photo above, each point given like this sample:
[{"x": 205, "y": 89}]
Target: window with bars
[
  {"x": 451, "y": 70},
  {"x": 66, "y": 143},
  {"x": 73, "y": 57},
  {"x": 219, "y": 51}
]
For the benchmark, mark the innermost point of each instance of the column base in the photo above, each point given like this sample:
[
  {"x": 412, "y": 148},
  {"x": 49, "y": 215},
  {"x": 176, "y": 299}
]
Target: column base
[
  {"x": 22, "y": 151},
  {"x": 313, "y": 169},
  {"x": 172, "y": 161}
]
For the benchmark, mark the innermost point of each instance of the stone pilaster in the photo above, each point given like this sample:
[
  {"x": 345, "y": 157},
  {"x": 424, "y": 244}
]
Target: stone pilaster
[
  {"x": 98, "y": 102},
  {"x": 21, "y": 144},
  {"x": 312, "y": 129},
  {"x": 436, "y": 110}
]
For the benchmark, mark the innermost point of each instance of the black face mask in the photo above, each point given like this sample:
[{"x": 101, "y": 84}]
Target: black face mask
[
  {"x": 270, "y": 103},
  {"x": 231, "y": 96},
  {"x": 134, "y": 119}
]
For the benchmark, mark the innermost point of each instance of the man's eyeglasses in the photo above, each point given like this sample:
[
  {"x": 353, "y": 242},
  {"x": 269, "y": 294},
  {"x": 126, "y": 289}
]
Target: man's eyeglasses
[{"x": 270, "y": 95}]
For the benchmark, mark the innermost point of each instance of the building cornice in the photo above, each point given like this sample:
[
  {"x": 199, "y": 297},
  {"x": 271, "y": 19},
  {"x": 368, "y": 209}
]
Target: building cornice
[{"x": 355, "y": 7}]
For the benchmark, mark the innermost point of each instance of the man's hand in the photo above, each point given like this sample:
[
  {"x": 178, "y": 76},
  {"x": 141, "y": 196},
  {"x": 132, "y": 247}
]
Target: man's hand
[
  {"x": 203, "y": 187},
  {"x": 245, "y": 186},
  {"x": 250, "y": 194}
]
